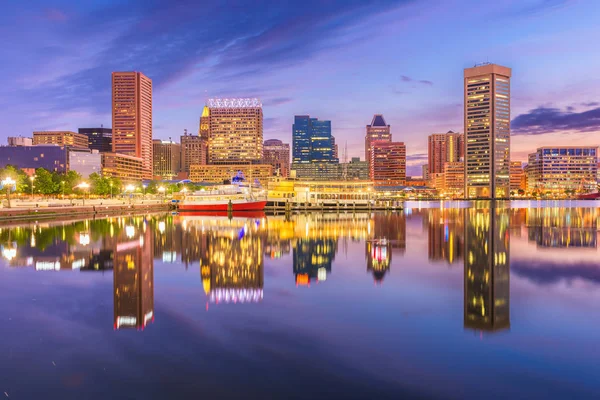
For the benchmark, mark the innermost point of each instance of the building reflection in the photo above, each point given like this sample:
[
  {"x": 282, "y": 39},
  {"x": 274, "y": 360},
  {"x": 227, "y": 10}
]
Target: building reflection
[
  {"x": 445, "y": 234},
  {"x": 313, "y": 259},
  {"x": 486, "y": 269},
  {"x": 563, "y": 227},
  {"x": 387, "y": 236},
  {"x": 133, "y": 274}
]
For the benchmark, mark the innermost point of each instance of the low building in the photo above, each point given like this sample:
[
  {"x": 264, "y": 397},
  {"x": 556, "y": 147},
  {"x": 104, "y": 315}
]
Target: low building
[
  {"x": 315, "y": 171},
  {"x": 221, "y": 173},
  {"x": 20, "y": 141},
  {"x": 127, "y": 168},
  {"x": 166, "y": 156},
  {"x": 454, "y": 177},
  {"x": 516, "y": 176},
  {"x": 356, "y": 169},
  {"x": 98, "y": 138},
  {"x": 560, "y": 168},
  {"x": 388, "y": 163},
  {"x": 415, "y": 181},
  {"x": 85, "y": 162},
  {"x": 61, "y": 138},
  {"x": 53, "y": 158},
  {"x": 437, "y": 180}
]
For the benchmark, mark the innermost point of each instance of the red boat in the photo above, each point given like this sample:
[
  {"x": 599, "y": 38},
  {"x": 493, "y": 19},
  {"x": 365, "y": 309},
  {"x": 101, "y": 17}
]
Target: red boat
[{"x": 224, "y": 198}]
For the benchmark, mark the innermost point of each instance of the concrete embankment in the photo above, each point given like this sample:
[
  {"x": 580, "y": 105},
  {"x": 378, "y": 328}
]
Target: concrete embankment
[{"x": 67, "y": 212}]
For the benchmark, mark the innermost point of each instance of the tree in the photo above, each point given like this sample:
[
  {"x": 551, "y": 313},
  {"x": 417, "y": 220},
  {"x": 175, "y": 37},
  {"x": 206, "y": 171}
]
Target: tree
[
  {"x": 152, "y": 187},
  {"x": 521, "y": 192},
  {"x": 44, "y": 182}
]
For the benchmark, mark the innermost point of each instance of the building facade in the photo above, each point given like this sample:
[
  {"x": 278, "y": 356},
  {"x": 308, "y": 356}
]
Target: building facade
[
  {"x": 454, "y": 177},
  {"x": 194, "y": 151},
  {"x": 388, "y": 162},
  {"x": 443, "y": 148},
  {"x": 378, "y": 131},
  {"x": 560, "y": 168},
  {"x": 98, "y": 138},
  {"x": 20, "y": 141},
  {"x": 516, "y": 176},
  {"x": 487, "y": 131},
  {"x": 355, "y": 170},
  {"x": 127, "y": 168},
  {"x": 277, "y": 154},
  {"x": 166, "y": 155},
  {"x": 85, "y": 163},
  {"x": 204, "y": 127},
  {"x": 312, "y": 141},
  {"x": 220, "y": 173},
  {"x": 235, "y": 132},
  {"x": 60, "y": 138},
  {"x": 51, "y": 157},
  {"x": 132, "y": 117}
]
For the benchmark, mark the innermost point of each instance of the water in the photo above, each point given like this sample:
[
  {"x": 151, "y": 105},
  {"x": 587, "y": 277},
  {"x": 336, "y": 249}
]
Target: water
[{"x": 463, "y": 302}]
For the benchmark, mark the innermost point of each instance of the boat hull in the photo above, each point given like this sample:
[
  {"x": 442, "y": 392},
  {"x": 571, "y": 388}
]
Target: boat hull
[{"x": 236, "y": 206}]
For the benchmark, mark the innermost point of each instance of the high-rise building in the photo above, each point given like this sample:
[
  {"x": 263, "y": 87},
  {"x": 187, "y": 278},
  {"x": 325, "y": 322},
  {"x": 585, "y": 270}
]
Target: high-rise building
[
  {"x": 560, "y": 168},
  {"x": 516, "y": 176},
  {"x": 312, "y": 141},
  {"x": 443, "y": 148},
  {"x": 388, "y": 162},
  {"x": 166, "y": 155},
  {"x": 98, "y": 138},
  {"x": 61, "y": 138},
  {"x": 235, "y": 131},
  {"x": 335, "y": 149},
  {"x": 194, "y": 151},
  {"x": 487, "y": 131},
  {"x": 204, "y": 127},
  {"x": 378, "y": 131},
  {"x": 277, "y": 154},
  {"x": 425, "y": 172},
  {"x": 132, "y": 117}
]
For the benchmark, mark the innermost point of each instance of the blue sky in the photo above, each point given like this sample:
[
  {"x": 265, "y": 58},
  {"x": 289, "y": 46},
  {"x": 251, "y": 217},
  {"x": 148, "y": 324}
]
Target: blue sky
[{"x": 342, "y": 60}]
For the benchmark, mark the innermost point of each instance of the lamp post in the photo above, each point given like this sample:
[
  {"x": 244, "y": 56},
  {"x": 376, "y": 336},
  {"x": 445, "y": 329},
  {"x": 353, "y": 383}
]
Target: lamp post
[
  {"x": 144, "y": 186},
  {"x": 8, "y": 182},
  {"x": 32, "y": 178},
  {"x": 130, "y": 189},
  {"x": 62, "y": 183},
  {"x": 111, "y": 194}
]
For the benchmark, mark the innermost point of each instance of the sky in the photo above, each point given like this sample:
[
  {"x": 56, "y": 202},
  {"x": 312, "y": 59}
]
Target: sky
[{"x": 341, "y": 60}]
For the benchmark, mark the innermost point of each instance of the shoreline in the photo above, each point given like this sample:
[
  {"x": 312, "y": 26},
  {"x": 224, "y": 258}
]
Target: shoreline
[{"x": 22, "y": 214}]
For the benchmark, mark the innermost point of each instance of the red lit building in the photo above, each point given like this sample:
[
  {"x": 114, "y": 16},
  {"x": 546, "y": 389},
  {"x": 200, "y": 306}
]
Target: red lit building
[{"x": 388, "y": 162}]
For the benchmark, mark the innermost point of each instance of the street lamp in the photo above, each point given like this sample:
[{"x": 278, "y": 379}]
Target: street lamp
[
  {"x": 144, "y": 186},
  {"x": 111, "y": 194},
  {"x": 83, "y": 186},
  {"x": 130, "y": 188},
  {"x": 32, "y": 178},
  {"x": 62, "y": 183},
  {"x": 8, "y": 182}
]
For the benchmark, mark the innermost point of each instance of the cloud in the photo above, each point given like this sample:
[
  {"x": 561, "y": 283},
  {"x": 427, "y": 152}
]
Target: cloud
[
  {"x": 547, "y": 120},
  {"x": 277, "y": 101},
  {"x": 549, "y": 273},
  {"x": 591, "y": 104},
  {"x": 536, "y": 7},
  {"x": 418, "y": 157},
  {"x": 407, "y": 79},
  {"x": 55, "y": 15},
  {"x": 426, "y": 82}
]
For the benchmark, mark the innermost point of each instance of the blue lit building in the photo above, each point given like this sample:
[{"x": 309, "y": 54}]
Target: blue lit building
[
  {"x": 50, "y": 157},
  {"x": 312, "y": 141}
]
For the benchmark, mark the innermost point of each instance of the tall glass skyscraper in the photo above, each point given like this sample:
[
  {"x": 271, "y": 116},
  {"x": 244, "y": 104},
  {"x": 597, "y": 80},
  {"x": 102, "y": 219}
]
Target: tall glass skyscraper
[{"x": 312, "y": 141}]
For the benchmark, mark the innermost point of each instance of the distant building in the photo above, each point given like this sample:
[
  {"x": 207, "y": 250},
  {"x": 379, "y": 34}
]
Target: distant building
[
  {"x": 516, "y": 176},
  {"x": 378, "y": 131},
  {"x": 388, "y": 162},
  {"x": 560, "y": 168},
  {"x": 194, "y": 151},
  {"x": 19, "y": 141},
  {"x": 316, "y": 171},
  {"x": 312, "y": 141},
  {"x": 356, "y": 170},
  {"x": 487, "y": 131},
  {"x": 122, "y": 166},
  {"x": 454, "y": 177},
  {"x": 51, "y": 157},
  {"x": 425, "y": 172},
  {"x": 220, "y": 173},
  {"x": 235, "y": 132},
  {"x": 132, "y": 117},
  {"x": 60, "y": 138},
  {"x": 166, "y": 154},
  {"x": 85, "y": 162},
  {"x": 204, "y": 127},
  {"x": 443, "y": 148},
  {"x": 98, "y": 138},
  {"x": 277, "y": 154}
]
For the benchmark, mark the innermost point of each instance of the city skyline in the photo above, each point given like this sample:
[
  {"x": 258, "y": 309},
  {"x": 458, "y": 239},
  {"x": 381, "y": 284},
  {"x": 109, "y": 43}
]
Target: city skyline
[{"x": 554, "y": 105}]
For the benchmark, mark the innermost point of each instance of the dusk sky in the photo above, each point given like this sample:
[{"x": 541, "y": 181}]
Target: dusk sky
[{"x": 342, "y": 60}]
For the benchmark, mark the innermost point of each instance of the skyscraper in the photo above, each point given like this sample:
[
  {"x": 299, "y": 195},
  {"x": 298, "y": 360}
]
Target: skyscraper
[
  {"x": 443, "y": 148},
  {"x": 204, "y": 128},
  {"x": 132, "y": 117},
  {"x": 277, "y": 154},
  {"x": 312, "y": 141},
  {"x": 487, "y": 131},
  {"x": 378, "y": 131},
  {"x": 166, "y": 155},
  {"x": 194, "y": 151},
  {"x": 235, "y": 131}
]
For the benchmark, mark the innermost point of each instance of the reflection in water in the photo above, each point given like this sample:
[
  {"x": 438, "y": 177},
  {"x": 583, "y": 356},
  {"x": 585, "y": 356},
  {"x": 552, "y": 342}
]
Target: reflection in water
[
  {"x": 229, "y": 253},
  {"x": 487, "y": 271}
]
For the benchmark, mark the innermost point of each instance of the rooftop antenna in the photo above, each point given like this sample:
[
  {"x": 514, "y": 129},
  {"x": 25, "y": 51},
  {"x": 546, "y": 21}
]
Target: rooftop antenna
[
  {"x": 185, "y": 132},
  {"x": 345, "y": 164}
]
